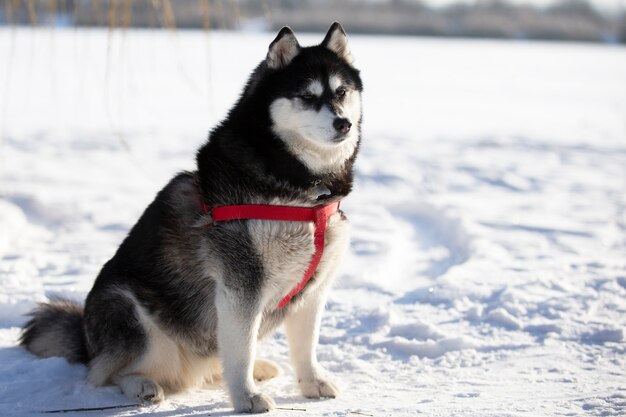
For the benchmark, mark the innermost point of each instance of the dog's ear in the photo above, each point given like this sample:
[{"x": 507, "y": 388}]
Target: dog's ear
[
  {"x": 283, "y": 49},
  {"x": 337, "y": 41}
]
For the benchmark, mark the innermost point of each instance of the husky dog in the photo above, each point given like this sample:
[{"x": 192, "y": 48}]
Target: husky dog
[{"x": 183, "y": 301}]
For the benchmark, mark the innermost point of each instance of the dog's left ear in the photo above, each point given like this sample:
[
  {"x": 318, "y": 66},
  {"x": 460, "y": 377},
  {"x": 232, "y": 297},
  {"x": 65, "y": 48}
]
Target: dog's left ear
[
  {"x": 282, "y": 49},
  {"x": 337, "y": 41}
]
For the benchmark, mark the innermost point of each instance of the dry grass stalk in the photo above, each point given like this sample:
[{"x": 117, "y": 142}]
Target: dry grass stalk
[
  {"x": 206, "y": 14},
  {"x": 112, "y": 13},
  {"x": 75, "y": 13},
  {"x": 32, "y": 13},
  {"x": 268, "y": 14},
  {"x": 168, "y": 13},
  {"x": 70, "y": 410},
  {"x": 206, "y": 24},
  {"x": 236, "y": 14},
  {"x": 95, "y": 11},
  {"x": 52, "y": 7},
  {"x": 8, "y": 11},
  {"x": 221, "y": 17},
  {"x": 127, "y": 13},
  {"x": 16, "y": 7},
  {"x": 153, "y": 20}
]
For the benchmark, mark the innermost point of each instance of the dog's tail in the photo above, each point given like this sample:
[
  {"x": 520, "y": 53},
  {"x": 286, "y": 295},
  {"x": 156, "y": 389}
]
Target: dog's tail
[{"x": 56, "y": 329}]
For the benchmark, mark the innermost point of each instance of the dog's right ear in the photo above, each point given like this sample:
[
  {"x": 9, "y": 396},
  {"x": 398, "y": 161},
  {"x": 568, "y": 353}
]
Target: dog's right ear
[
  {"x": 283, "y": 49},
  {"x": 337, "y": 41}
]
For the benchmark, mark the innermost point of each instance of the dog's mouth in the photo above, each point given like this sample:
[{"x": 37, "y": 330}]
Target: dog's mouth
[{"x": 339, "y": 137}]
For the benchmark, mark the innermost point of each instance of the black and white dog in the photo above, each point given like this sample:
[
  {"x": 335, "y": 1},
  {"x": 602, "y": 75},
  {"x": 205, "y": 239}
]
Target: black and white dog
[{"x": 185, "y": 298}]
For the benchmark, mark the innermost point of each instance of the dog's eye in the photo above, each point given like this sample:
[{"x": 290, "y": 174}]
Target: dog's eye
[
  {"x": 308, "y": 98},
  {"x": 341, "y": 92}
]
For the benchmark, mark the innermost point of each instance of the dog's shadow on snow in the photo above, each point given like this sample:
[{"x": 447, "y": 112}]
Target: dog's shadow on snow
[
  {"x": 57, "y": 385},
  {"x": 224, "y": 408},
  {"x": 191, "y": 410}
]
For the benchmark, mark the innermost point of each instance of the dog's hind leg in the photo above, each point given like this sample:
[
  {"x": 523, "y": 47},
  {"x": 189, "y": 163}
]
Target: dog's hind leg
[
  {"x": 265, "y": 369},
  {"x": 118, "y": 340}
]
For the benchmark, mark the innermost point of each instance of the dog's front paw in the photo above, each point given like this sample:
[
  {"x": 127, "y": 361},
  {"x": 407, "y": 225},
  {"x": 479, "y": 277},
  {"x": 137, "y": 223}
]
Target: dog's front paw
[
  {"x": 255, "y": 403},
  {"x": 317, "y": 388}
]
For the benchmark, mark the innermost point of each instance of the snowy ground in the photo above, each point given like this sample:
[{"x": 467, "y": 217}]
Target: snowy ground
[{"x": 487, "y": 273}]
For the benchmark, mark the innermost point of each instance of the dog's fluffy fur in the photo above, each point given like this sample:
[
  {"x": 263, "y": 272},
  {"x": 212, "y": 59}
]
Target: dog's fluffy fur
[{"x": 182, "y": 302}]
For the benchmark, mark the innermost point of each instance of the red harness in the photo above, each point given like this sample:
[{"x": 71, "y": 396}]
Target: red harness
[{"x": 318, "y": 215}]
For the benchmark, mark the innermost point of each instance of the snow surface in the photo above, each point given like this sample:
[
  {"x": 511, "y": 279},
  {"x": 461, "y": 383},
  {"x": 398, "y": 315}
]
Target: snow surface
[{"x": 487, "y": 271}]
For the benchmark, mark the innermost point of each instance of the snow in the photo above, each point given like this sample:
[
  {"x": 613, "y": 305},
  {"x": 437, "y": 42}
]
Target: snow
[{"x": 487, "y": 271}]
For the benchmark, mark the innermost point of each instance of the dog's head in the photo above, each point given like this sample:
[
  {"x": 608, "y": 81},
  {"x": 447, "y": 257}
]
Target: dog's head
[{"x": 315, "y": 98}]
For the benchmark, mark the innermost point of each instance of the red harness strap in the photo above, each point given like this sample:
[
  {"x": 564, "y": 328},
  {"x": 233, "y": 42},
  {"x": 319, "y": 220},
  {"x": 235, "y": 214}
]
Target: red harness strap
[{"x": 318, "y": 215}]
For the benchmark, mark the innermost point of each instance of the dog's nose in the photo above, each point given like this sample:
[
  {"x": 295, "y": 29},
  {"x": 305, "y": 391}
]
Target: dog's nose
[{"x": 342, "y": 125}]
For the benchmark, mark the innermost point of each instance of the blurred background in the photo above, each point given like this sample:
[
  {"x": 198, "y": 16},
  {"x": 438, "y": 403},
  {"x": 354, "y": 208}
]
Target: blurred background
[
  {"x": 486, "y": 264},
  {"x": 581, "y": 20}
]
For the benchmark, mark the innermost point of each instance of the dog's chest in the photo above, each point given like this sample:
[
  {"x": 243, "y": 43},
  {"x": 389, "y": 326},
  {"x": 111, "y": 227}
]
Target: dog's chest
[{"x": 286, "y": 249}]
